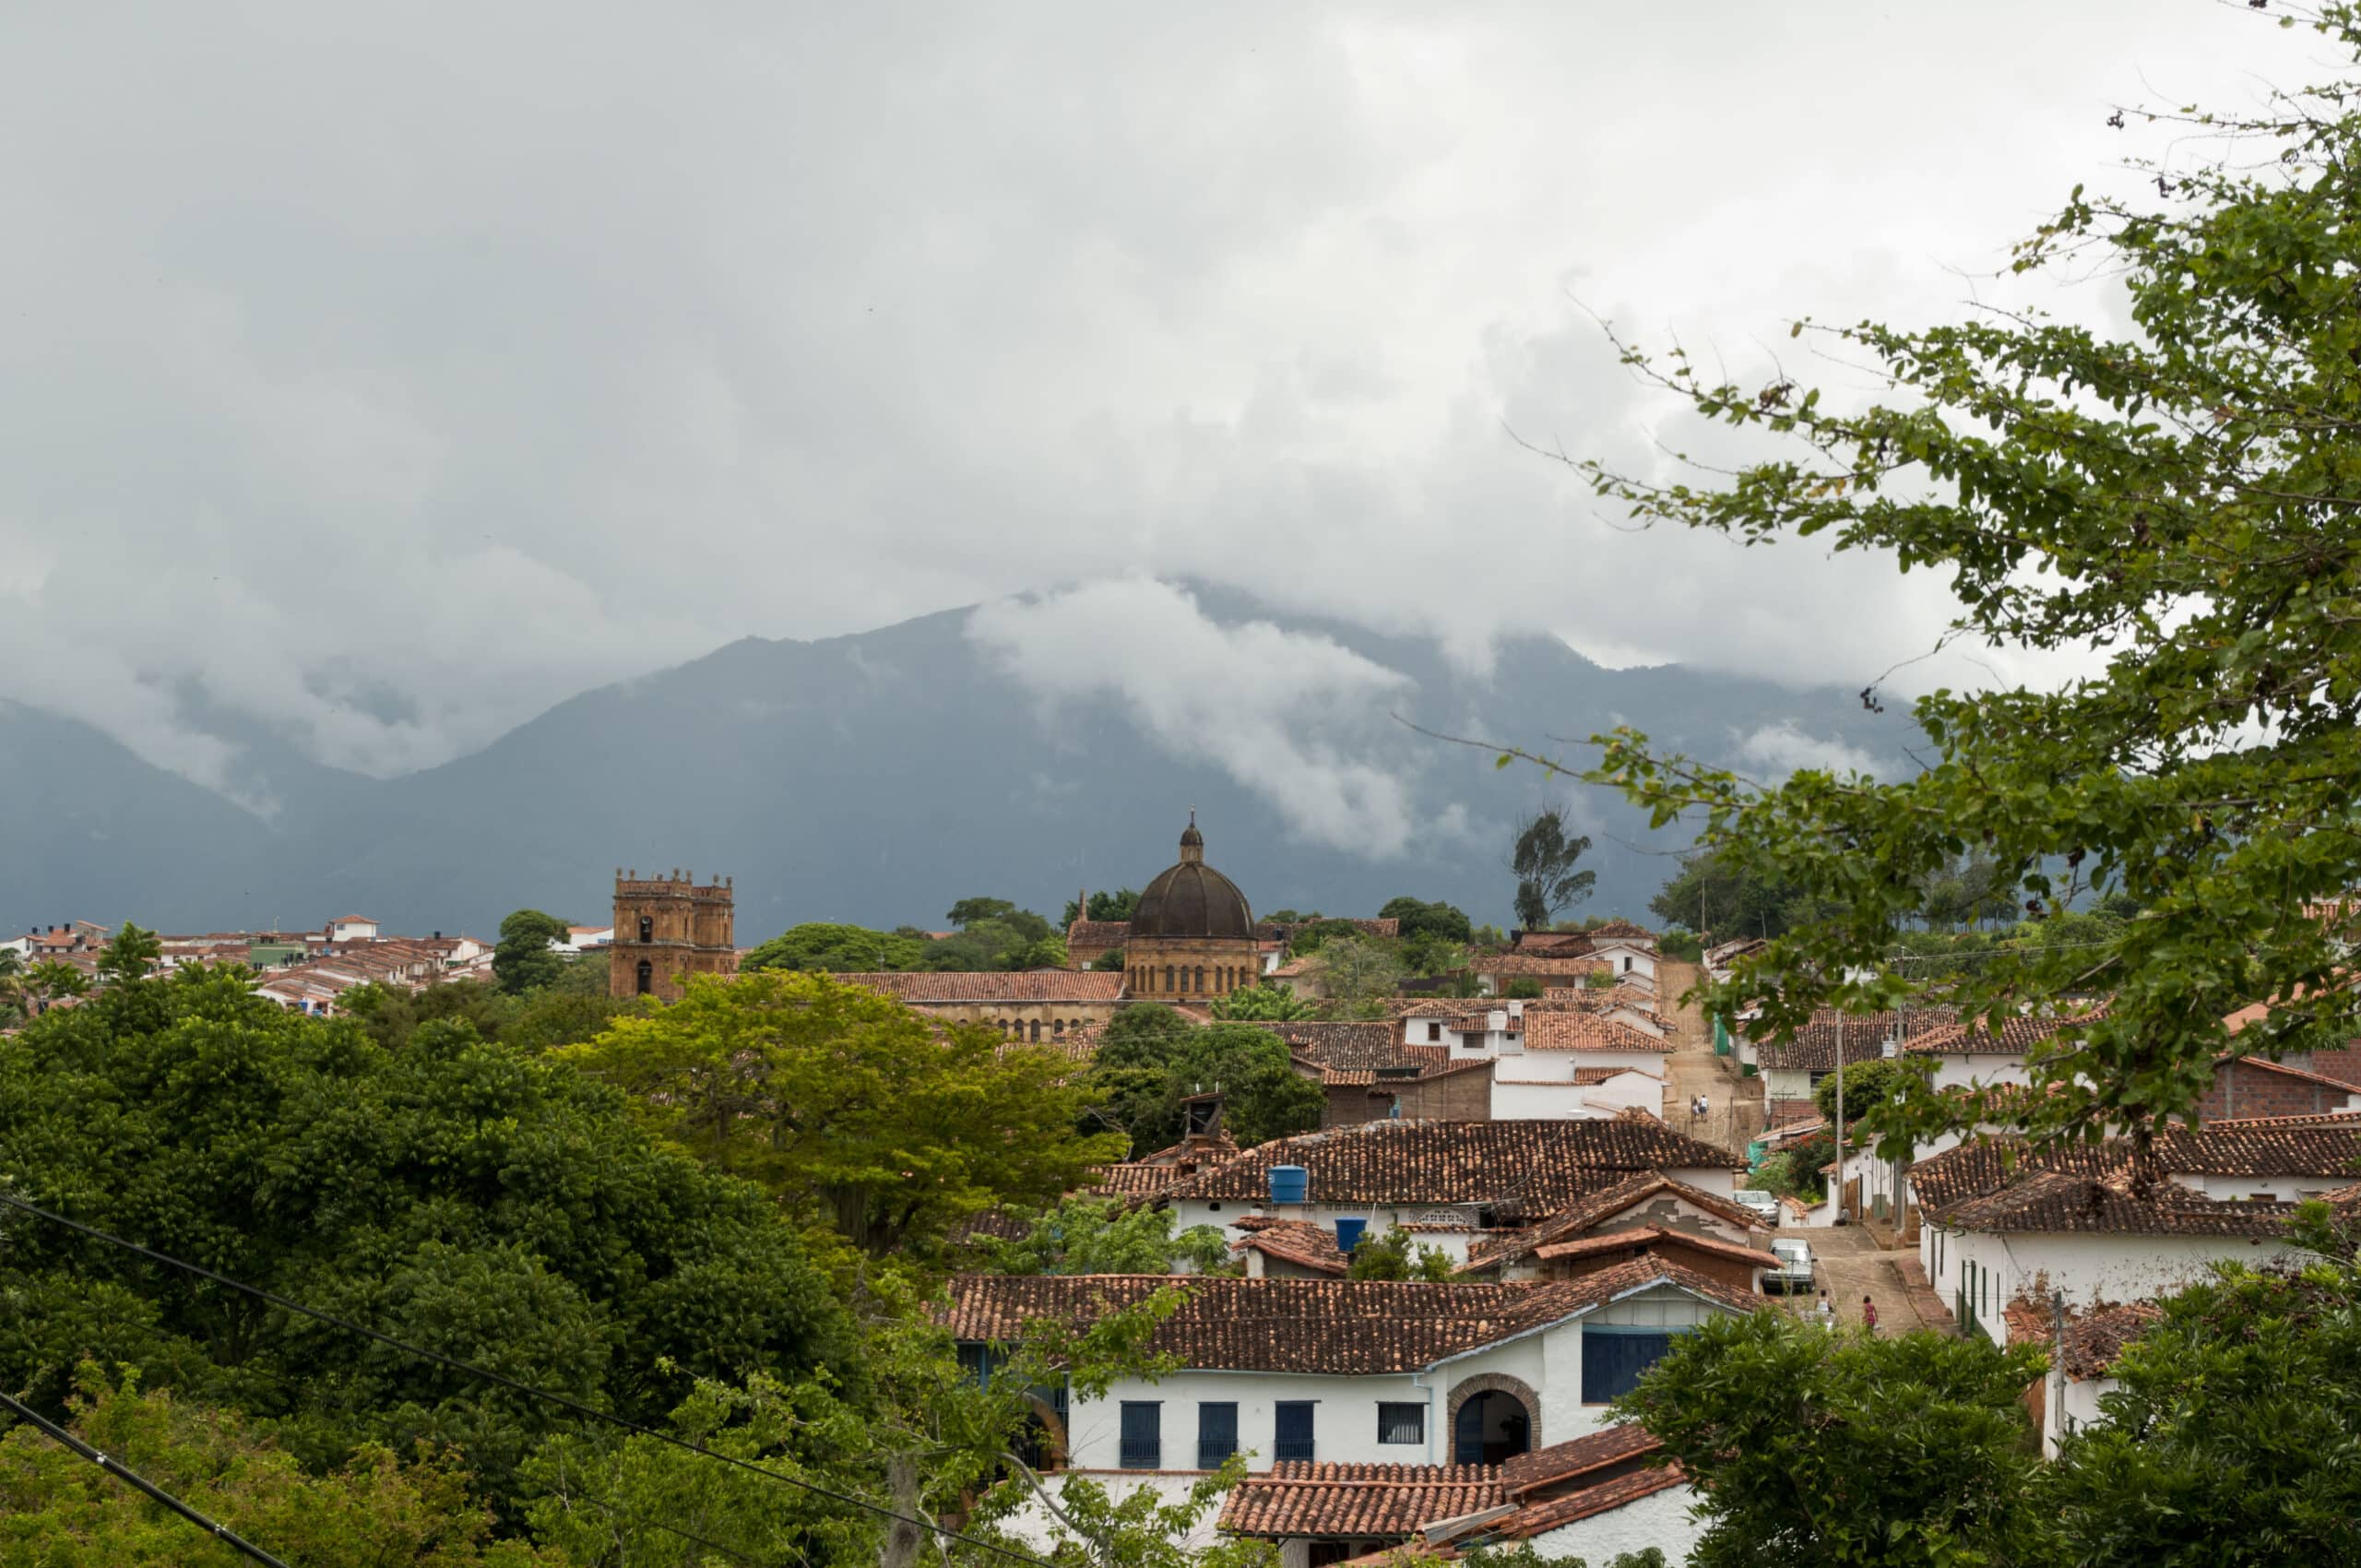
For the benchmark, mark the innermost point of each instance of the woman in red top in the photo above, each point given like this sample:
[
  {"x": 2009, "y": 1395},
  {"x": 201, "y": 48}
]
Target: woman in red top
[{"x": 1869, "y": 1313}]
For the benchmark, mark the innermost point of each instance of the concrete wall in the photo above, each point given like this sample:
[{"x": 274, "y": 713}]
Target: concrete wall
[
  {"x": 1660, "y": 1520},
  {"x": 1959, "y": 1072}
]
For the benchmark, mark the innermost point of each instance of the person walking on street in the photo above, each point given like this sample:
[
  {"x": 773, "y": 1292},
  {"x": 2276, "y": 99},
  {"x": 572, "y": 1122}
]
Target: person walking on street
[
  {"x": 1824, "y": 1315},
  {"x": 1869, "y": 1313}
]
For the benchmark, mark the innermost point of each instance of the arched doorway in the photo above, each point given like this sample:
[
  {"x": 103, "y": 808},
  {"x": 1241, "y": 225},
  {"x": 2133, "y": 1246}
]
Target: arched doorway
[{"x": 1490, "y": 1427}]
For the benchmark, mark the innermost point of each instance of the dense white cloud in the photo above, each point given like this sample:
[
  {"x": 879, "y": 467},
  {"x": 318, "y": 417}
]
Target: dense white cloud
[
  {"x": 1781, "y": 749},
  {"x": 1292, "y": 716},
  {"x": 386, "y": 374}
]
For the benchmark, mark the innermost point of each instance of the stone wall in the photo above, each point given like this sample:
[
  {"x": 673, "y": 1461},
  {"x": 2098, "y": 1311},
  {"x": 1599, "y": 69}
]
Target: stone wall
[
  {"x": 1189, "y": 970},
  {"x": 667, "y": 928}
]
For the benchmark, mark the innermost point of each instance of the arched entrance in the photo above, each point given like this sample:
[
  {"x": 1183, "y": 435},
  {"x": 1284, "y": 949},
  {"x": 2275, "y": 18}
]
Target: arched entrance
[{"x": 1491, "y": 1426}]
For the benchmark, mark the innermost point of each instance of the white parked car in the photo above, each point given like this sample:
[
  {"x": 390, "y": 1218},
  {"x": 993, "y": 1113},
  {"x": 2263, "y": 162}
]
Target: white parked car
[
  {"x": 1794, "y": 1272},
  {"x": 1764, "y": 1205}
]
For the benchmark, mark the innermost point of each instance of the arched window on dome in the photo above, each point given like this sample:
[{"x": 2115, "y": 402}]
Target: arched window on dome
[
  {"x": 1037, "y": 1032},
  {"x": 1201, "y": 979},
  {"x": 1167, "y": 977}
]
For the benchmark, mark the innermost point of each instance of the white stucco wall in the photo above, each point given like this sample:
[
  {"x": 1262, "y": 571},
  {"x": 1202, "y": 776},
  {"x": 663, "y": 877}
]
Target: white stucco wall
[
  {"x": 1660, "y": 1520},
  {"x": 2090, "y": 1271},
  {"x": 1960, "y": 1072},
  {"x": 2290, "y": 1188}
]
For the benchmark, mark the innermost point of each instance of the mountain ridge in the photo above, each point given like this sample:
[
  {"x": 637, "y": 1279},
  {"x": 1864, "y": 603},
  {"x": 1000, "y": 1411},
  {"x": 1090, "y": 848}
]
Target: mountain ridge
[{"x": 876, "y": 777}]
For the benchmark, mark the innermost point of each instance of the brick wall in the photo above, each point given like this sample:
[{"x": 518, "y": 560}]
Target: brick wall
[
  {"x": 2240, "y": 1089},
  {"x": 1454, "y": 1097}
]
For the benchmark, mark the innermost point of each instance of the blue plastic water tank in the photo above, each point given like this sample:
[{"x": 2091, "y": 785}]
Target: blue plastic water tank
[
  {"x": 1290, "y": 1183},
  {"x": 1348, "y": 1233}
]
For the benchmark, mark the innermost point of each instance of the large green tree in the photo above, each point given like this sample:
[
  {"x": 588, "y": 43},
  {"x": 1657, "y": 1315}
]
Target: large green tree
[
  {"x": 1419, "y": 918},
  {"x": 1825, "y": 1450},
  {"x": 1715, "y": 895},
  {"x": 842, "y": 948},
  {"x": 2181, "y": 499},
  {"x": 849, "y": 1106},
  {"x": 1141, "y": 1075},
  {"x": 496, "y": 1208},
  {"x": 130, "y": 954},
  {"x": 523, "y": 958},
  {"x": 1082, "y": 1235},
  {"x": 1544, "y": 862}
]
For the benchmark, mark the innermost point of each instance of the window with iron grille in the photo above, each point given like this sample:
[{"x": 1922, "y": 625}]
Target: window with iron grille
[
  {"x": 1402, "y": 1424},
  {"x": 1142, "y": 1443},
  {"x": 1216, "y": 1434},
  {"x": 1291, "y": 1430}
]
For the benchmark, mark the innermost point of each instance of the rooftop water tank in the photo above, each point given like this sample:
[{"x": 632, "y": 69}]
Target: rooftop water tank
[
  {"x": 1348, "y": 1233},
  {"x": 1290, "y": 1183}
]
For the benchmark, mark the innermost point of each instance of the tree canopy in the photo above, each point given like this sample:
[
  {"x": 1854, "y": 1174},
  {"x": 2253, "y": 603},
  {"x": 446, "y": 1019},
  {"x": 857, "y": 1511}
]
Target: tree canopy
[
  {"x": 1117, "y": 906},
  {"x": 1419, "y": 918},
  {"x": 2184, "y": 499},
  {"x": 850, "y": 1107},
  {"x": 496, "y": 1208},
  {"x": 1143, "y": 1070},
  {"x": 841, "y": 948},
  {"x": 1543, "y": 861},
  {"x": 523, "y": 958}
]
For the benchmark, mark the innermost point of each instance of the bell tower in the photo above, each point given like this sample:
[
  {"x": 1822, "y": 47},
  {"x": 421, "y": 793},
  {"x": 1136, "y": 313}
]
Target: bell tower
[{"x": 668, "y": 928}]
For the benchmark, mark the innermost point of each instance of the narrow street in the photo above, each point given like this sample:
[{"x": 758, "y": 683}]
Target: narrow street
[
  {"x": 1735, "y": 1103},
  {"x": 1850, "y": 1265}
]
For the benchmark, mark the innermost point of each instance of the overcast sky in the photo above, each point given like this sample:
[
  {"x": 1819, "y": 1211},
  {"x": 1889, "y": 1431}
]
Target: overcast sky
[{"x": 388, "y": 372}]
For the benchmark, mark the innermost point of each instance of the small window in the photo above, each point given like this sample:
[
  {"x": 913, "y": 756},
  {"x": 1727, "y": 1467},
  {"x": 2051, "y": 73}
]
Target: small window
[
  {"x": 1612, "y": 1362},
  {"x": 1291, "y": 1430},
  {"x": 1201, "y": 980},
  {"x": 646, "y": 977},
  {"x": 1142, "y": 1442},
  {"x": 1434, "y": 1032},
  {"x": 1216, "y": 1434},
  {"x": 1037, "y": 1032},
  {"x": 1402, "y": 1424},
  {"x": 647, "y": 928},
  {"x": 1167, "y": 977}
]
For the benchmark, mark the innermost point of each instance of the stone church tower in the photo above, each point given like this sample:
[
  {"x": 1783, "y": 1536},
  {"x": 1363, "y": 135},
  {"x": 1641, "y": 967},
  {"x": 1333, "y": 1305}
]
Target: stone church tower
[
  {"x": 667, "y": 927},
  {"x": 1192, "y": 935}
]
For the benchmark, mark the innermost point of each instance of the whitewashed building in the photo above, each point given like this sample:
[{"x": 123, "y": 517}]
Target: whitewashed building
[{"x": 1338, "y": 1373}]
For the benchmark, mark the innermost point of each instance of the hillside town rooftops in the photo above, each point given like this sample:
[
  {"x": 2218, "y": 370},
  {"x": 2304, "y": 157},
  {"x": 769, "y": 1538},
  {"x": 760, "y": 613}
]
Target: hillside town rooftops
[
  {"x": 1813, "y": 1047},
  {"x": 1529, "y": 1166}
]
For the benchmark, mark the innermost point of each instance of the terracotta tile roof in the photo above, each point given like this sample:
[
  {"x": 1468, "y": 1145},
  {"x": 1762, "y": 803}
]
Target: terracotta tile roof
[
  {"x": 2052, "y": 1203},
  {"x": 1553, "y": 944},
  {"x": 1813, "y": 1047},
  {"x": 1629, "y": 930},
  {"x": 1373, "y": 1044},
  {"x": 1297, "y": 1242},
  {"x": 1651, "y": 1236},
  {"x": 1528, "y": 1167},
  {"x": 1528, "y": 964},
  {"x": 1540, "y": 1518},
  {"x": 934, "y": 987},
  {"x": 1099, "y": 933},
  {"x": 1600, "y": 1074},
  {"x": 1338, "y": 1327},
  {"x": 1589, "y": 1031},
  {"x": 1597, "y": 1207},
  {"x": 2095, "y": 1339},
  {"x": 2327, "y": 1146},
  {"x": 1306, "y": 1498},
  {"x": 1564, "y": 1461},
  {"x": 2018, "y": 1035}
]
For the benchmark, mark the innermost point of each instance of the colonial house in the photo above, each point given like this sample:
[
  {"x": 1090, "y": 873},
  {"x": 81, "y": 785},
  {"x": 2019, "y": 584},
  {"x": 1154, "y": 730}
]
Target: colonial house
[
  {"x": 2002, "y": 1219},
  {"x": 1559, "y": 1063},
  {"x": 1792, "y": 1064},
  {"x": 1455, "y": 1180},
  {"x": 1334, "y": 1372},
  {"x": 350, "y": 928},
  {"x": 1360, "y": 1066},
  {"x": 1034, "y": 1005},
  {"x": 1592, "y": 1497},
  {"x": 1969, "y": 1053}
]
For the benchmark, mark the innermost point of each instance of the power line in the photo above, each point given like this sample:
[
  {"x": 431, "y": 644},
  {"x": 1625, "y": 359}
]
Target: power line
[
  {"x": 66, "y": 1440},
  {"x": 561, "y": 1400}
]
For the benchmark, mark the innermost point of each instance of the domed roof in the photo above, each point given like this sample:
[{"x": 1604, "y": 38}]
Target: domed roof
[{"x": 1191, "y": 900}]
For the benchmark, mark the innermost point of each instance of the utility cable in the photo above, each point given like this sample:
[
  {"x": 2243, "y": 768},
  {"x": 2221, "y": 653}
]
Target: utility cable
[
  {"x": 115, "y": 1467},
  {"x": 562, "y": 1401}
]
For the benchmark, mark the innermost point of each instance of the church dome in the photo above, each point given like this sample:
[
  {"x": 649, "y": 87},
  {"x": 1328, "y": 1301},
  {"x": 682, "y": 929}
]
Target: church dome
[{"x": 1191, "y": 900}]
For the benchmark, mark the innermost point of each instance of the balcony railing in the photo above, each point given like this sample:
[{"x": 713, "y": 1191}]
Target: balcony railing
[
  {"x": 1135, "y": 1453},
  {"x": 1212, "y": 1455},
  {"x": 1286, "y": 1448}
]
